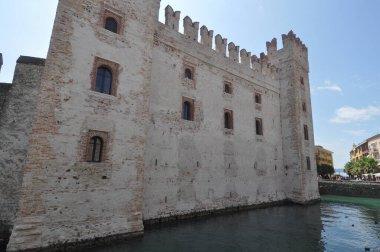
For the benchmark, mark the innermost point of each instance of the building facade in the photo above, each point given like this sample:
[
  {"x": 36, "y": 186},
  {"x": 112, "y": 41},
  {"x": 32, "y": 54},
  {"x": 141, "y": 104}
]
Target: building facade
[
  {"x": 132, "y": 121},
  {"x": 324, "y": 156},
  {"x": 368, "y": 148}
]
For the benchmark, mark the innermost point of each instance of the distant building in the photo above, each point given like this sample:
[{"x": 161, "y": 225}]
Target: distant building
[
  {"x": 368, "y": 148},
  {"x": 323, "y": 156}
]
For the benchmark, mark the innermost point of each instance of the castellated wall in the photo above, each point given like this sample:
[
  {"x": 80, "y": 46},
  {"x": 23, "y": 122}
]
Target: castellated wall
[
  {"x": 199, "y": 165},
  {"x": 17, "y": 106},
  {"x": 155, "y": 164}
]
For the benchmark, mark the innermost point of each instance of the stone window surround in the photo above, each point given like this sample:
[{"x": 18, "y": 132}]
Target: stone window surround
[
  {"x": 231, "y": 113},
  {"x": 229, "y": 84},
  {"x": 112, "y": 66},
  {"x": 109, "y": 11},
  {"x": 259, "y": 131},
  {"x": 191, "y": 67},
  {"x": 258, "y": 98},
  {"x": 85, "y": 144},
  {"x": 192, "y": 108}
]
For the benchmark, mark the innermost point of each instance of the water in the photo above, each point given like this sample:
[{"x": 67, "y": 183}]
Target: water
[{"x": 336, "y": 224}]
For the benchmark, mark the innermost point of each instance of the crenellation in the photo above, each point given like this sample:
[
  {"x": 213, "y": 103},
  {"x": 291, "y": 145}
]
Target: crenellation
[
  {"x": 272, "y": 46},
  {"x": 206, "y": 37},
  {"x": 172, "y": 18},
  {"x": 245, "y": 58},
  {"x": 220, "y": 45},
  {"x": 190, "y": 114},
  {"x": 233, "y": 52},
  {"x": 191, "y": 29}
]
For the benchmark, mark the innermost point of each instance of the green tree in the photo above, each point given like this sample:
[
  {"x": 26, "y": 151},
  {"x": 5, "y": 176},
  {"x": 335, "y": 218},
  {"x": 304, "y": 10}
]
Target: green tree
[
  {"x": 362, "y": 166},
  {"x": 325, "y": 170}
]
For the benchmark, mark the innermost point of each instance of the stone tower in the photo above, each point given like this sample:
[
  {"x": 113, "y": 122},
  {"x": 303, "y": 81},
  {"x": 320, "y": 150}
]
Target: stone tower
[
  {"x": 296, "y": 117},
  {"x": 63, "y": 198}
]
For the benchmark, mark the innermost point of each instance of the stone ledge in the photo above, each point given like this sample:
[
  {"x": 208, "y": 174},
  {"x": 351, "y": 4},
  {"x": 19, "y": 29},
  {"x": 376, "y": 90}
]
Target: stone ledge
[
  {"x": 350, "y": 188},
  {"x": 31, "y": 61}
]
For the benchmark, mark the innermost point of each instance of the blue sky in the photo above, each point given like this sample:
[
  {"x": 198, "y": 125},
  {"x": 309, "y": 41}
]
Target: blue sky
[{"x": 342, "y": 37}]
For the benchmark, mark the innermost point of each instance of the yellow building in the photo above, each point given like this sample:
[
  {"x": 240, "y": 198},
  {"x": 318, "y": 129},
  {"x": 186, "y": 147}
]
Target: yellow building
[{"x": 323, "y": 156}]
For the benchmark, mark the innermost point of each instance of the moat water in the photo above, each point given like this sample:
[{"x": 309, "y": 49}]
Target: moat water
[{"x": 336, "y": 224}]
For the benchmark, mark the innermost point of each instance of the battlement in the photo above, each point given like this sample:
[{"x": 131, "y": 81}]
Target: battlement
[{"x": 222, "y": 47}]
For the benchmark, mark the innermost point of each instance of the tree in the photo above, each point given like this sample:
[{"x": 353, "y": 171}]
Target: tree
[
  {"x": 362, "y": 166},
  {"x": 325, "y": 170}
]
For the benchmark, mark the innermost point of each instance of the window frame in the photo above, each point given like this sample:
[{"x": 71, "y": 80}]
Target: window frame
[
  {"x": 95, "y": 157},
  {"x": 258, "y": 98},
  {"x": 109, "y": 26},
  {"x": 112, "y": 67},
  {"x": 227, "y": 85},
  {"x": 306, "y": 132},
  {"x": 119, "y": 17},
  {"x": 228, "y": 124},
  {"x": 259, "y": 130},
  {"x": 191, "y": 111}
]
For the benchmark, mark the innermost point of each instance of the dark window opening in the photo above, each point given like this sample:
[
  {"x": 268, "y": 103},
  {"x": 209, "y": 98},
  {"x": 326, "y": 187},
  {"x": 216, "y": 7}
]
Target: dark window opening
[
  {"x": 258, "y": 98},
  {"x": 188, "y": 74},
  {"x": 308, "y": 164},
  {"x": 103, "y": 80},
  {"x": 95, "y": 149},
  {"x": 111, "y": 25},
  {"x": 302, "y": 81},
  {"x": 227, "y": 88},
  {"x": 228, "y": 124},
  {"x": 306, "y": 132},
  {"x": 259, "y": 127},
  {"x": 304, "y": 107},
  {"x": 187, "y": 109}
]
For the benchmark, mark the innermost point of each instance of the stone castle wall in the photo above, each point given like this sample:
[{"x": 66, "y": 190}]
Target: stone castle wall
[
  {"x": 157, "y": 165},
  {"x": 17, "y": 110}
]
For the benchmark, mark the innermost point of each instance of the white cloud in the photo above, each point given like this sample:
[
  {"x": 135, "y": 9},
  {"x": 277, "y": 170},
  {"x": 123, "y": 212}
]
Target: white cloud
[
  {"x": 349, "y": 114},
  {"x": 356, "y": 132},
  {"x": 329, "y": 86}
]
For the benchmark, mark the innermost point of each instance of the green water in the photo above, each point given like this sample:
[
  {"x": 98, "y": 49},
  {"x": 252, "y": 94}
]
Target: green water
[{"x": 336, "y": 224}]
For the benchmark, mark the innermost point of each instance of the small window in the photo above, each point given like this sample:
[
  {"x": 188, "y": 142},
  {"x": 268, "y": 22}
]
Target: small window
[
  {"x": 257, "y": 98},
  {"x": 95, "y": 149},
  {"x": 187, "y": 109},
  {"x": 306, "y": 132},
  {"x": 259, "y": 127},
  {"x": 304, "y": 107},
  {"x": 103, "y": 80},
  {"x": 227, "y": 88},
  {"x": 228, "y": 119},
  {"x": 302, "y": 81},
  {"x": 308, "y": 164},
  {"x": 111, "y": 25},
  {"x": 188, "y": 74}
]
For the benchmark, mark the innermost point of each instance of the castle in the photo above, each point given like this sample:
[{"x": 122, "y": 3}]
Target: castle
[{"x": 128, "y": 121}]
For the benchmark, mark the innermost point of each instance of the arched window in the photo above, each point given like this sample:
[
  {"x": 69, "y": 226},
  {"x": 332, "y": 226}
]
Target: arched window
[
  {"x": 111, "y": 25},
  {"x": 95, "y": 149},
  {"x": 188, "y": 74},
  {"x": 228, "y": 123},
  {"x": 103, "y": 80},
  {"x": 306, "y": 132},
  {"x": 259, "y": 127},
  {"x": 187, "y": 110}
]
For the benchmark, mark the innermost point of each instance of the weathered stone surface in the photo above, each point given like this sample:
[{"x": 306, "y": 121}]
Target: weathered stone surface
[
  {"x": 17, "y": 106},
  {"x": 350, "y": 188},
  {"x": 156, "y": 165}
]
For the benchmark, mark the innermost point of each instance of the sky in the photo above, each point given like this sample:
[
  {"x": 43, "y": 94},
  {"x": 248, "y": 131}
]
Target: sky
[{"x": 342, "y": 37}]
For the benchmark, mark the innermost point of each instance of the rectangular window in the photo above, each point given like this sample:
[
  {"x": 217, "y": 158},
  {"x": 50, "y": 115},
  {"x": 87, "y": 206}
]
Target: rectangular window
[
  {"x": 227, "y": 87},
  {"x": 258, "y": 98},
  {"x": 304, "y": 106},
  {"x": 259, "y": 127},
  {"x": 306, "y": 132},
  {"x": 308, "y": 164},
  {"x": 187, "y": 109}
]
